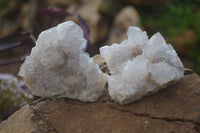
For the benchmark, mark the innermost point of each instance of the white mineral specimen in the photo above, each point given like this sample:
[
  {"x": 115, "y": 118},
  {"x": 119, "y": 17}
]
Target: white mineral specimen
[
  {"x": 140, "y": 66},
  {"x": 58, "y": 67}
]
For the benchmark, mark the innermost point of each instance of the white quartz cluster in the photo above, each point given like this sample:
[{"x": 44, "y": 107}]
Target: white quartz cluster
[
  {"x": 140, "y": 66},
  {"x": 58, "y": 67}
]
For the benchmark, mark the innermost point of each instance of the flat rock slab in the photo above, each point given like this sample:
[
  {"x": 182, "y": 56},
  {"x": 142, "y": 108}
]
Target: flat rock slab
[{"x": 175, "y": 109}]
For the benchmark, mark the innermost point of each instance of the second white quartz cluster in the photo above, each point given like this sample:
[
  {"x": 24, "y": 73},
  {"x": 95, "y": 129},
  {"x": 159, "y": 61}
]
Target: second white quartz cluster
[
  {"x": 58, "y": 67},
  {"x": 140, "y": 66}
]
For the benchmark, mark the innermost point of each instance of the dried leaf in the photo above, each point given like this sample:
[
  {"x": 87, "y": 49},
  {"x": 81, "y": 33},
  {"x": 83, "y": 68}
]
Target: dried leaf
[{"x": 15, "y": 40}]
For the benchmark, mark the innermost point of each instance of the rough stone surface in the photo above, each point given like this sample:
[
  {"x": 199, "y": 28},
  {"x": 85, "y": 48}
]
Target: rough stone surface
[
  {"x": 23, "y": 121},
  {"x": 140, "y": 66},
  {"x": 172, "y": 110},
  {"x": 58, "y": 67},
  {"x": 179, "y": 102}
]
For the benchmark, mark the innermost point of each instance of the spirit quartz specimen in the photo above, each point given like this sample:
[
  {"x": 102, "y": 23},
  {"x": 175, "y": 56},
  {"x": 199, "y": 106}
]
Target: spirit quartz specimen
[
  {"x": 140, "y": 66},
  {"x": 58, "y": 67}
]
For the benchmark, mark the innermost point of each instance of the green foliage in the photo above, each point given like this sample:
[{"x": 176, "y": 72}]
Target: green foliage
[
  {"x": 6, "y": 97},
  {"x": 173, "y": 19},
  {"x": 11, "y": 98},
  {"x": 2, "y": 3}
]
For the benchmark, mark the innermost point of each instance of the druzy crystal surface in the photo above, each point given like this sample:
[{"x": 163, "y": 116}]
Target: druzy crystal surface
[
  {"x": 140, "y": 66},
  {"x": 58, "y": 67}
]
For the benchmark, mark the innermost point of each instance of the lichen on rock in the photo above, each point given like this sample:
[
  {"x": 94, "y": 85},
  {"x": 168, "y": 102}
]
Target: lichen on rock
[
  {"x": 58, "y": 66},
  {"x": 140, "y": 66}
]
